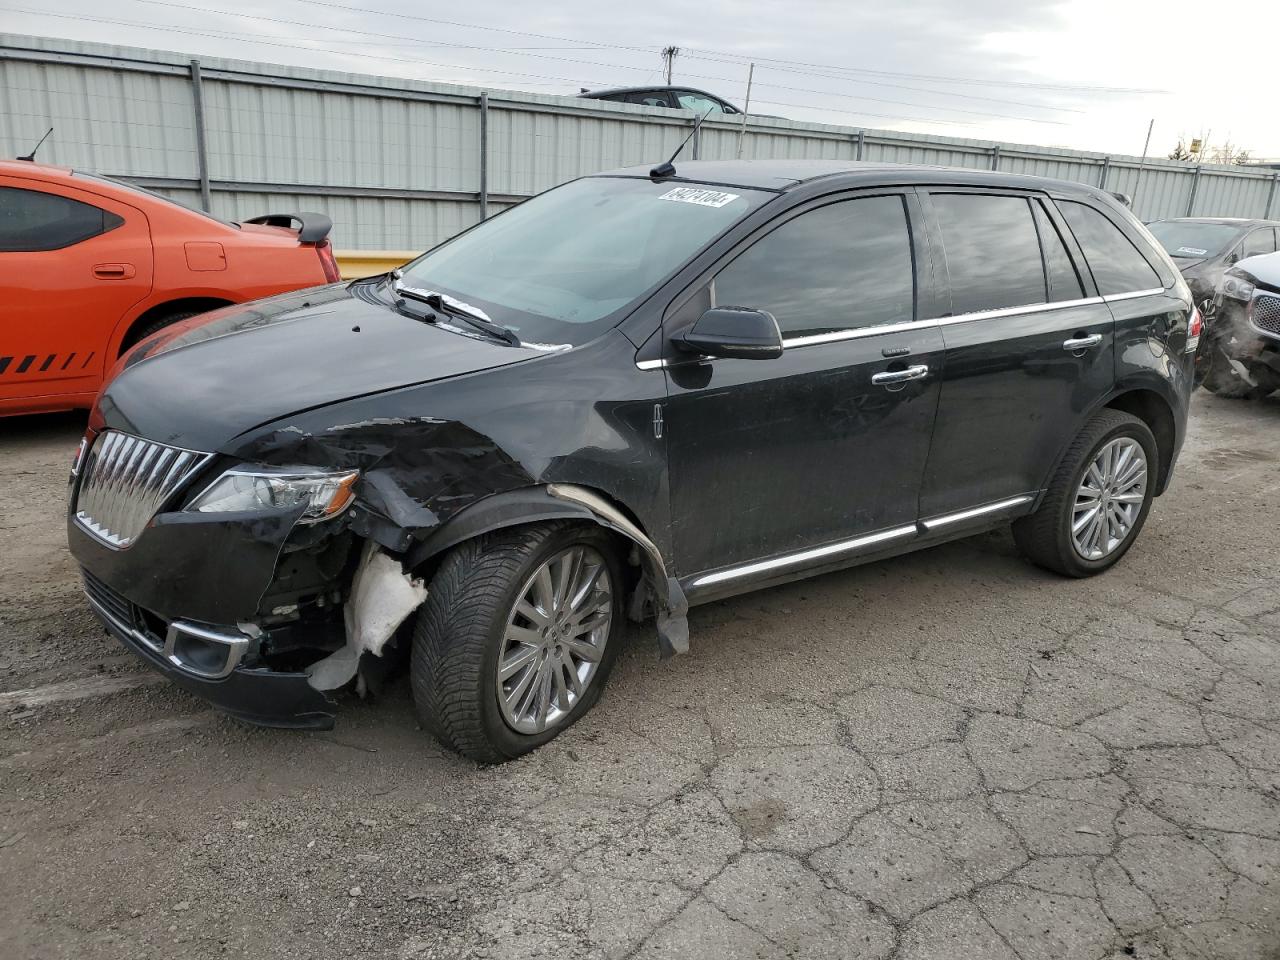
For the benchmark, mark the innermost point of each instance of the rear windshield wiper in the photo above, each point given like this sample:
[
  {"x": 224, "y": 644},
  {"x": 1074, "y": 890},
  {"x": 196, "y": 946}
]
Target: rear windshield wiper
[{"x": 445, "y": 304}]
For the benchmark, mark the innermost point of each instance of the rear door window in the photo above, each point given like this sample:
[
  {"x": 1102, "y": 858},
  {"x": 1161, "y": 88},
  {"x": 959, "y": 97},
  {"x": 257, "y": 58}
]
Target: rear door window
[
  {"x": 1064, "y": 282},
  {"x": 31, "y": 220},
  {"x": 992, "y": 251},
  {"x": 1259, "y": 242},
  {"x": 1116, "y": 264},
  {"x": 842, "y": 266}
]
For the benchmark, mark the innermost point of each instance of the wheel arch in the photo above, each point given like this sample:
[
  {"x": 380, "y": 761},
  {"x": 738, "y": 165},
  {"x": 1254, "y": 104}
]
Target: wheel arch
[
  {"x": 127, "y": 337},
  {"x": 1156, "y": 412},
  {"x": 655, "y": 587}
]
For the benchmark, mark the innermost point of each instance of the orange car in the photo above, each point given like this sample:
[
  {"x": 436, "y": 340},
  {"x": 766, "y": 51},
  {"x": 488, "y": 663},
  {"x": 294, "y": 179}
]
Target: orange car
[{"x": 89, "y": 266}]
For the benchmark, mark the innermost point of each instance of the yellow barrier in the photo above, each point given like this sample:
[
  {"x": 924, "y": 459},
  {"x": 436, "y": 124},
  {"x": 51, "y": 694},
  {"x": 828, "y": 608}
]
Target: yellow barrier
[{"x": 353, "y": 264}]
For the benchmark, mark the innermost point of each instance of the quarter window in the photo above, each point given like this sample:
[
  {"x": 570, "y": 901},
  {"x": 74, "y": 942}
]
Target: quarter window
[
  {"x": 31, "y": 220},
  {"x": 1116, "y": 264},
  {"x": 698, "y": 103},
  {"x": 842, "y": 266},
  {"x": 993, "y": 252}
]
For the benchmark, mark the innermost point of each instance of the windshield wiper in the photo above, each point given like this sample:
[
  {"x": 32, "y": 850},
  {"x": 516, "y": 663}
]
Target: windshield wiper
[{"x": 444, "y": 304}]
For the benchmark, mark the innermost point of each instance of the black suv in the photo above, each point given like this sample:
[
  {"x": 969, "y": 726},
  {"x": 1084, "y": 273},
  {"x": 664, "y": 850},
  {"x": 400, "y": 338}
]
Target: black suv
[{"x": 627, "y": 395}]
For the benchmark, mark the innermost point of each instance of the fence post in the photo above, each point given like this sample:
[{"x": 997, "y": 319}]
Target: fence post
[
  {"x": 202, "y": 150},
  {"x": 1271, "y": 194},
  {"x": 1106, "y": 168},
  {"x": 995, "y": 157},
  {"x": 1195, "y": 185},
  {"x": 484, "y": 156},
  {"x": 862, "y": 144}
]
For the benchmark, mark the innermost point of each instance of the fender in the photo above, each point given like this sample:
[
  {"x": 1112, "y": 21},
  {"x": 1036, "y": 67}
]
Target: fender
[
  {"x": 1143, "y": 382},
  {"x": 566, "y": 501}
]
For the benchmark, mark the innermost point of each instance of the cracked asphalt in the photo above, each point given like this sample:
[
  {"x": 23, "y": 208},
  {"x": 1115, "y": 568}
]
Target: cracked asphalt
[{"x": 951, "y": 755}]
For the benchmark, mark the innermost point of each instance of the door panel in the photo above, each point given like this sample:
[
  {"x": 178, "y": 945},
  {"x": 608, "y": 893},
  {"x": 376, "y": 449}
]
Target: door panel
[
  {"x": 771, "y": 456},
  {"x": 62, "y": 305},
  {"x": 768, "y": 457},
  {"x": 1011, "y": 398}
]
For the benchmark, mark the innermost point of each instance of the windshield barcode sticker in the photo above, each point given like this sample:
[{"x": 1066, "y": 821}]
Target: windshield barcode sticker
[
  {"x": 704, "y": 198},
  {"x": 1194, "y": 251}
]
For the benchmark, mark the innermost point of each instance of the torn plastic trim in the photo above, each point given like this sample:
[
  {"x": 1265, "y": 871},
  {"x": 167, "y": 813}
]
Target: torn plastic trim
[
  {"x": 671, "y": 605},
  {"x": 382, "y": 597}
]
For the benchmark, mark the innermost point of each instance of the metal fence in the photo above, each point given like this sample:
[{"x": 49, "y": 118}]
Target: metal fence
[{"x": 404, "y": 164}]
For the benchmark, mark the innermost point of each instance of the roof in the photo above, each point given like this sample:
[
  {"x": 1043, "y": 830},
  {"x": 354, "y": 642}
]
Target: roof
[
  {"x": 785, "y": 174},
  {"x": 1224, "y": 221},
  {"x": 614, "y": 91}
]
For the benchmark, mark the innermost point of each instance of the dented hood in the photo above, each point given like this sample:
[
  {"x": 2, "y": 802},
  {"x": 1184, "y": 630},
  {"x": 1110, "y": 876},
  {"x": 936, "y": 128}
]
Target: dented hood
[{"x": 206, "y": 381}]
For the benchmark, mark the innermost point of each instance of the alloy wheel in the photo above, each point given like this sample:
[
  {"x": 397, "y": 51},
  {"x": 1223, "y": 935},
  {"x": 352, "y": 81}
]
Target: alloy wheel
[
  {"x": 1109, "y": 498},
  {"x": 554, "y": 639}
]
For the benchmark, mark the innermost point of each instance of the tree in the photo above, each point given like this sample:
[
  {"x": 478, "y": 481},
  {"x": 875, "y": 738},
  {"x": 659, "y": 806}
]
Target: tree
[
  {"x": 1229, "y": 153},
  {"x": 1180, "y": 152}
]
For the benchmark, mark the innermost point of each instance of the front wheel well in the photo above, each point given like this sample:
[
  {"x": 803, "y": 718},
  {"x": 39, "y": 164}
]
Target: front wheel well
[
  {"x": 150, "y": 317},
  {"x": 1153, "y": 410}
]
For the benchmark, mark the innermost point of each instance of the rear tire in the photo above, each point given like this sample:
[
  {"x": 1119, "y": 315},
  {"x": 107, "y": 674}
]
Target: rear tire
[
  {"x": 155, "y": 325},
  {"x": 466, "y": 626},
  {"x": 1047, "y": 537}
]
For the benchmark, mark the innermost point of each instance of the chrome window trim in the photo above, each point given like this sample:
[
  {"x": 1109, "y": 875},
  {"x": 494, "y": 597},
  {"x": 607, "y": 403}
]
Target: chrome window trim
[
  {"x": 1133, "y": 294},
  {"x": 814, "y": 553},
  {"x": 950, "y": 518},
  {"x": 857, "y": 333},
  {"x": 1018, "y": 311}
]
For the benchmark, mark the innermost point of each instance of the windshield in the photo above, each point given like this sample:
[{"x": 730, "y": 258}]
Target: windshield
[
  {"x": 1185, "y": 239},
  {"x": 563, "y": 266}
]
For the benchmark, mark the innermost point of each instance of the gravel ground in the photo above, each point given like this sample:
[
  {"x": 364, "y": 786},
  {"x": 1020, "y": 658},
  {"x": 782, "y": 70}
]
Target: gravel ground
[{"x": 949, "y": 755}]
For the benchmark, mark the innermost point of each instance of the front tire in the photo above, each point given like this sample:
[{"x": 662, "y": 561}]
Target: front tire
[
  {"x": 517, "y": 638},
  {"x": 1098, "y": 499},
  {"x": 1222, "y": 379}
]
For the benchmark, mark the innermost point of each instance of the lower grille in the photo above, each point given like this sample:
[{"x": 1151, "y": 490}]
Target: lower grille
[
  {"x": 125, "y": 480},
  {"x": 1266, "y": 314},
  {"x": 115, "y": 605}
]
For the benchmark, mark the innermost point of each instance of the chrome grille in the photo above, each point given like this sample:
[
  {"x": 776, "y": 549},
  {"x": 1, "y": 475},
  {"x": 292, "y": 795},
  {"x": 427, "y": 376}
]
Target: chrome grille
[
  {"x": 125, "y": 480},
  {"x": 1266, "y": 314}
]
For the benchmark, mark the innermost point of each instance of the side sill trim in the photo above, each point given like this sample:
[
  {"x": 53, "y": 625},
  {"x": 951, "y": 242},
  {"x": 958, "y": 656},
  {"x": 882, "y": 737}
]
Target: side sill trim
[
  {"x": 804, "y": 556},
  {"x": 949, "y": 518}
]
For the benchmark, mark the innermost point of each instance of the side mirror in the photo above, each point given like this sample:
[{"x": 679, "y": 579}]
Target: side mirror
[{"x": 733, "y": 333}]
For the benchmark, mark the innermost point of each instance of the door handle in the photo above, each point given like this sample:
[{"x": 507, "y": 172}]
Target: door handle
[
  {"x": 890, "y": 377},
  {"x": 1081, "y": 344},
  {"x": 114, "y": 271}
]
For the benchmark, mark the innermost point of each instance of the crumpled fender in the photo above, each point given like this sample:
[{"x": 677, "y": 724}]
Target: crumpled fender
[{"x": 565, "y": 501}]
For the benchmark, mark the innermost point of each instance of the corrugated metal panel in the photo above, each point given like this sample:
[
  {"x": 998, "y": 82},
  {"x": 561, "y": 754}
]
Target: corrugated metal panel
[
  {"x": 104, "y": 120},
  {"x": 285, "y": 138}
]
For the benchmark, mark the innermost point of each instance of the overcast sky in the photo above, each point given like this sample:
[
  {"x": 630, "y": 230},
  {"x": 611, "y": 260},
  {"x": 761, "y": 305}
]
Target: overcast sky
[{"x": 1087, "y": 74}]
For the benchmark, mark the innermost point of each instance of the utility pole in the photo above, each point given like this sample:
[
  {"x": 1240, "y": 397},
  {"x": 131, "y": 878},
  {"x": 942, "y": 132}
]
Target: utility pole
[
  {"x": 1142, "y": 163},
  {"x": 669, "y": 54},
  {"x": 746, "y": 105}
]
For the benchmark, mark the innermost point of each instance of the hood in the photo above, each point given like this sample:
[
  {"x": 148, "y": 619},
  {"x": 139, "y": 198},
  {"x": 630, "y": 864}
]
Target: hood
[
  {"x": 205, "y": 381},
  {"x": 1185, "y": 263}
]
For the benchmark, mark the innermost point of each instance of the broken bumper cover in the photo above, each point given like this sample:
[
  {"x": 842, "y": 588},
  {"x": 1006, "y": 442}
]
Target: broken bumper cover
[{"x": 205, "y": 660}]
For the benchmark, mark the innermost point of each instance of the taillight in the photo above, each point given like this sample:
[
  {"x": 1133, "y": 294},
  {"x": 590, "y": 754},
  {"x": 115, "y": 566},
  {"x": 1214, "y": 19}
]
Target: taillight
[
  {"x": 327, "y": 262},
  {"x": 1195, "y": 326}
]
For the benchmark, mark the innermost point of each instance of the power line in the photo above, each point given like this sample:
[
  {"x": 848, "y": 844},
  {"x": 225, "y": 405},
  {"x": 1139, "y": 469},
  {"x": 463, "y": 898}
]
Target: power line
[
  {"x": 293, "y": 46},
  {"x": 669, "y": 54},
  {"x": 365, "y": 11}
]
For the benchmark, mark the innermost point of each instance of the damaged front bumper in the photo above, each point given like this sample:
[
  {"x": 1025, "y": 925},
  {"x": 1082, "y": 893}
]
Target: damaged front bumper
[{"x": 208, "y": 661}]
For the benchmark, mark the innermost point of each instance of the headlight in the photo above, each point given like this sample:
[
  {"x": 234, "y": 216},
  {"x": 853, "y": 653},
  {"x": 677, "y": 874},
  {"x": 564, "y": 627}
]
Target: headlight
[
  {"x": 324, "y": 494},
  {"x": 1237, "y": 289}
]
